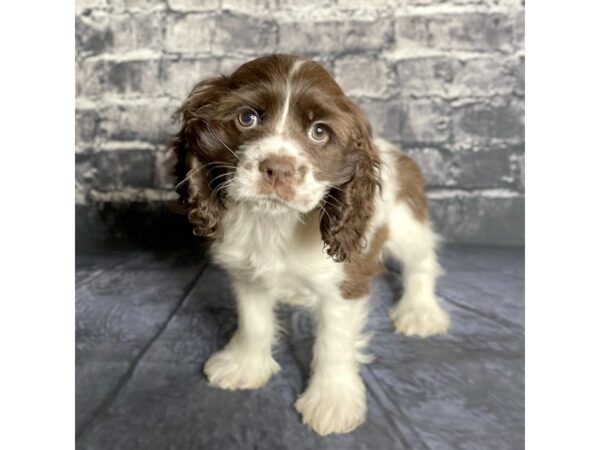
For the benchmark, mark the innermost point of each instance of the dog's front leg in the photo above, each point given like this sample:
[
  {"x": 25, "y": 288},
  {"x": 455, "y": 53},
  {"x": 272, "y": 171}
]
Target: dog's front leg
[
  {"x": 246, "y": 362},
  {"x": 335, "y": 400}
]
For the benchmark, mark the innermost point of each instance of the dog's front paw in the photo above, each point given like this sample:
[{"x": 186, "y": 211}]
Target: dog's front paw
[
  {"x": 419, "y": 319},
  {"x": 230, "y": 369},
  {"x": 333, "y": 406}
]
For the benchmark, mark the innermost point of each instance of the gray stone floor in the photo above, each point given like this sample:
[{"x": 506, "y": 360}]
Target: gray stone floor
[{"x": 146, "y": 322}]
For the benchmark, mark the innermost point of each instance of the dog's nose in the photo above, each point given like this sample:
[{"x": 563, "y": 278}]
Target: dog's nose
[{"x": 277, "y": 169}]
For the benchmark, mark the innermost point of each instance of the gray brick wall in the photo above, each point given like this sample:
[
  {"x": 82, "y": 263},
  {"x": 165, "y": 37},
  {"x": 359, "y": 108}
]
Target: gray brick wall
[{"x": 442, "y": 78}]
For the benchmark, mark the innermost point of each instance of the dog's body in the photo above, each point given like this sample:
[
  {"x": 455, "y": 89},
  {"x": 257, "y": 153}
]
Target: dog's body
[{"x": 306, "y": 207}]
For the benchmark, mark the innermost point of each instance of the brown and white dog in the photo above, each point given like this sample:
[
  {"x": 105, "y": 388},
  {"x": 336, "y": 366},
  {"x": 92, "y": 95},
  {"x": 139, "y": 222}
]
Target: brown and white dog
[{"x": 278, "y": 167}]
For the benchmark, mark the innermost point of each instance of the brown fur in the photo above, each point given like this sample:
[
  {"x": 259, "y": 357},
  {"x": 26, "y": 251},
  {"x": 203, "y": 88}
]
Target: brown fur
[
  {"x": 412, "y": 186},
  {"x": 201, "y": 156},
  {"x": 361, "y": 269}
]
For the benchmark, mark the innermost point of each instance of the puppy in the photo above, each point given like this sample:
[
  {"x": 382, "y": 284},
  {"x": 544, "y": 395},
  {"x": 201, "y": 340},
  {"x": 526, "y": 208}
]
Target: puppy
[{"x": 279, "y": 169}]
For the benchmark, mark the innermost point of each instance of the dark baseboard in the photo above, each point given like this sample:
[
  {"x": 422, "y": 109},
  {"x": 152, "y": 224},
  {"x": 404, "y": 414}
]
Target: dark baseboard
[
  {"x": 117, "y": 226},
  {"x": 129, "y": 226}
]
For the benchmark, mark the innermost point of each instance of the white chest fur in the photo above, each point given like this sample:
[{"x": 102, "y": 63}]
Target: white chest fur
[{"x": 283, "y": 252}]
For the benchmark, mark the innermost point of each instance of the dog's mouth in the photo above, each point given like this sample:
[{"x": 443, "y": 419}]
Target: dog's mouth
[{"x": 271, "y": 204}]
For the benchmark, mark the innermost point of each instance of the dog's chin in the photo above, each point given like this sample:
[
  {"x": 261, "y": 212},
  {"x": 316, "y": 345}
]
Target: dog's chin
[{"x": 270, "y": 206}]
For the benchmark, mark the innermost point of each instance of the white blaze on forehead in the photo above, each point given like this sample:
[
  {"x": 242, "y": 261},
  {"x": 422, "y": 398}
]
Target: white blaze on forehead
[{"x": 288, "y": 94}]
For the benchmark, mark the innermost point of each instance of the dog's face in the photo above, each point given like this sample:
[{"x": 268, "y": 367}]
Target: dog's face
[{"x": 279, "y": 135}]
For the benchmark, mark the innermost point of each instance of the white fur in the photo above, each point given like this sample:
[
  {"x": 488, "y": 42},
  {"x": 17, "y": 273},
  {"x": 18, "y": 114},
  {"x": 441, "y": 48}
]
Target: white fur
[
  {"x": 335, "y": 400},
  {"x": 288, "y": 95},
  {"x": 278, "y": 256},
  {"x": 246, "y": 362}
]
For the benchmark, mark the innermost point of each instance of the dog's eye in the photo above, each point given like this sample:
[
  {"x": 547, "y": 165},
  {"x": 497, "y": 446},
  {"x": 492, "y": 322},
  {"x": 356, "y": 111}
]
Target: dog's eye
[
  {"x": 318, "y": 133},
  {"x": 248, "y": 119}
]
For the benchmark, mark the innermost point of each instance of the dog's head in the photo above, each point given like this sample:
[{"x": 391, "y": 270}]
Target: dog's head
[{"x": 279, "y": 135}]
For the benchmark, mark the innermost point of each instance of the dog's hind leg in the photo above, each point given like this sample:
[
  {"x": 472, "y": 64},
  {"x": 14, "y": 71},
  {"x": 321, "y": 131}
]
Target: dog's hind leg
[{"x": 413, "y": 242}]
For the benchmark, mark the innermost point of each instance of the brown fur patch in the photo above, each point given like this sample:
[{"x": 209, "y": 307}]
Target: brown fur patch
[
  {"x": 364, "y": 266},
  {"x": 411, "y": 186}
]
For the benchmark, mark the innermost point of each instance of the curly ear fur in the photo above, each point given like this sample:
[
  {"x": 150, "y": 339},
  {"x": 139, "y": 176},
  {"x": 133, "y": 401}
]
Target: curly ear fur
[
  {"x": 350, "y": 205},
  {"x": 197, "y": 146}
]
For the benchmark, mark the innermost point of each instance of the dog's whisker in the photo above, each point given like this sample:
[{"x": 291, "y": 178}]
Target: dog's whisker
[
  {"x": 221, "y": 187},
  {"x": 187, "y": 178},
  {"x": 336, "y": 207},
  {"x": 331, "y": 186},
  {"x": 221, "y": 176},
  {"x": 325, "y": 211},
  {"x": 339, "y": 202},
  {"x": 214, "y": 133}
]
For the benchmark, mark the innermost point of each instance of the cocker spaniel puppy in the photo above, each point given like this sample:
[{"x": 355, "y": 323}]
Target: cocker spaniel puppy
[{"x": 279, "y": 169}]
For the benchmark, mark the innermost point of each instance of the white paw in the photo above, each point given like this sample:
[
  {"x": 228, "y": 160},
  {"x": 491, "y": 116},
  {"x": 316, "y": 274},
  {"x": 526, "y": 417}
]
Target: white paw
[
  {"x": 333, "y": 407},
  {"x": 229, "y": 369},
  {"x": 419, "y": 319}
]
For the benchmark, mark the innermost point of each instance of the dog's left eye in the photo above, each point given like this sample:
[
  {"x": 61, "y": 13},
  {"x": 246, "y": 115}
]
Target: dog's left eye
[
  {"x": 318, "y": 133},
  {"x": 248, "y": 119}
]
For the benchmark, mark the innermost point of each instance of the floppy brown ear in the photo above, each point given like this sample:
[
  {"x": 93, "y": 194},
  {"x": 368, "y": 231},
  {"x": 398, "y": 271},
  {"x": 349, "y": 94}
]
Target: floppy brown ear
[
  {"x": 349, "y": 206},
  {"x": 196, "y": 147}
]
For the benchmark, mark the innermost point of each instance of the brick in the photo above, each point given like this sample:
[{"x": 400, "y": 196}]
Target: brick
[
  {"x": 116, "y": 169},
  {"x": 310, "y": 38},
  {"x": 100, "y": 32},
  {"x": 138, "y": 31},
  {"x": 85, "y": 173},
  {"x": 101, "y": 77},
  {"x": 198, "y": 33},
  {"x": 191, "y": 33},
  {"x": 150, "y": 122},
  {"x": 476, "y": 218},
  {"x": 360, "y": 75},
  {"x": 488, "y": 167},
  {"x": 485, "y": 168},
  {"x": 425, "y": 76},
  {"x": 180, "y": 76},
  {"x": 451, "y": 77},
  {"x": 489, "y": 121},
  {"x": 425, "y": 121},
  {"x": 194, "y": 5},
  {"x": 164, "y": 168},
  {"x": 384, "y": 115},
  {"x": 436, "y": 166},
  {"x": 458, "y": 32},
  {"x": 244, "y": 34},
  {"x": 87, "y": 123},
  {"x": 93, "y": 34},
  {"x": 483, "y": 76}
]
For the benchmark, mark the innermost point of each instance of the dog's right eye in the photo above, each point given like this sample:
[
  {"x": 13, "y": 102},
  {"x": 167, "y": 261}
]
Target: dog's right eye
[{"x": 248, "y": 119}]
